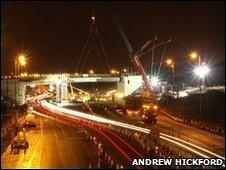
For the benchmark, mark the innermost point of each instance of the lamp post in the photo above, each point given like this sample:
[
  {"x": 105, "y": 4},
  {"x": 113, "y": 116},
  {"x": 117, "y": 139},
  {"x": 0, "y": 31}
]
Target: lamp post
[
  {"x": 19, "y": 61},
  {"x": 170, "y": 63},
  {"x": 194, "y": 56},
  {"x": 201, "y": 71}
]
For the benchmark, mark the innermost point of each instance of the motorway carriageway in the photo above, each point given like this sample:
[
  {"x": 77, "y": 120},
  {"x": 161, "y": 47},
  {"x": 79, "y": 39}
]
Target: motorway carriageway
[
  {"x": 119, "y": 144},
  {"x": 195, "y": 149}
]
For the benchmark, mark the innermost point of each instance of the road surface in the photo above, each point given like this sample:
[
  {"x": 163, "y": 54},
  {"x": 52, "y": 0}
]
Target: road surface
[
  {"x": 210, "y": 141},
  {"x": 51, "y": 145},
  {"x": 123, "y": 147}
]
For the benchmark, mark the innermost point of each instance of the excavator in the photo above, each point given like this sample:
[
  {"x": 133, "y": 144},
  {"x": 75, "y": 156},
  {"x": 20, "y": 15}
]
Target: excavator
[{"x": 149, "y": 108}]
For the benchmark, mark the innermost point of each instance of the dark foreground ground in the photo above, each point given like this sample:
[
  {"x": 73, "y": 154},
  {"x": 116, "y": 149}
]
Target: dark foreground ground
[{"x": 51, "y": 145}]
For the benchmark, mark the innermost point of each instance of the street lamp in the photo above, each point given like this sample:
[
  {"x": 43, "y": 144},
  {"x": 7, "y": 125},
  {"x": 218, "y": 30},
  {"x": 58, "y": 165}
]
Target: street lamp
[
  {"x": 19, "y": 61},
  {"x": 194, "y": 56},
  {"x": 170, "y": 63},
  {"x": 201, "y": 71},
  {"x": 22, "y": 60}
]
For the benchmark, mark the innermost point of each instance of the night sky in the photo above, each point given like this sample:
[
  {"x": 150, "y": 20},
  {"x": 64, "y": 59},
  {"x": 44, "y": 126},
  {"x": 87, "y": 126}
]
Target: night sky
[{"x": 53, "y": 33}]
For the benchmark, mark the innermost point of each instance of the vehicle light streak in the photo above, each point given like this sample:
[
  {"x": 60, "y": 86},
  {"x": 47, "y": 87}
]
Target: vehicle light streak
[
  {"x": 205, "y": 150},
  {"x": 139, "y": 154},
  {"x": 97, "y": 130},
  {"x": 183, "y": 146},
  {"x": 163, "y": 136},
  {"x": 92, "y": 117},
  {"x": 188, "y": 148}
]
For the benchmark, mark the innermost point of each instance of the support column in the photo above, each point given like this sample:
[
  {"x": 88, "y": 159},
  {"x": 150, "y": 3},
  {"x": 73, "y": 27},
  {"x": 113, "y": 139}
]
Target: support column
[
  {"x": 63, "y": 91},
  {"x": 57, "y": 92}
]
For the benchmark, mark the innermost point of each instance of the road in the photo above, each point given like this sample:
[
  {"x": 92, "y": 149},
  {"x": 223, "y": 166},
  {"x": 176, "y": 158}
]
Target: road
[
  {"x": 210, "y": 141},
  {"x": 123, "y": 147},
  {"x": 126, "y": 151},
  {"x": 50, "y": 146}
]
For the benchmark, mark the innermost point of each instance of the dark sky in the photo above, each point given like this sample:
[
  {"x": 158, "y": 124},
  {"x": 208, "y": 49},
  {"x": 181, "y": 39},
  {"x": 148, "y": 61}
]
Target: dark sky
[{"x": 53, "y": 33}]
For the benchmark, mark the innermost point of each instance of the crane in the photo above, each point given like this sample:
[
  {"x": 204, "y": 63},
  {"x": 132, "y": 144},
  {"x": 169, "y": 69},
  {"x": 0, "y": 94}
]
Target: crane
[{"x": 135, "y": 57}]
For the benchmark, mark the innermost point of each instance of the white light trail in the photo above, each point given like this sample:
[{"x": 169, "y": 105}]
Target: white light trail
[
  {"x": 195, "y": 146},
  {"x": 92, "y": 117},
  {"x": 183, "y": 146},
  {"x": 191, "y": 147}
]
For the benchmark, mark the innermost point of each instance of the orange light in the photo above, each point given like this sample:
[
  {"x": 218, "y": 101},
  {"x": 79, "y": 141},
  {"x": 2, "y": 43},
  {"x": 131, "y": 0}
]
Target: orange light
[
  {"x": 169, "y": 61},
  {"x": 113, "y": 71},
  {"x": 22, "y": 60},
  {"x": 155, "y": 107},
  {"x": 194, "y": 55},
  {"x": 91, "y": 72}
]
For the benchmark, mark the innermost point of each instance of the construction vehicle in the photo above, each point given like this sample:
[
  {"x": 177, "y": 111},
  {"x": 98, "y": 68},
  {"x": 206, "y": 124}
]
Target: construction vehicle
[{"x": 149, "y": 113}]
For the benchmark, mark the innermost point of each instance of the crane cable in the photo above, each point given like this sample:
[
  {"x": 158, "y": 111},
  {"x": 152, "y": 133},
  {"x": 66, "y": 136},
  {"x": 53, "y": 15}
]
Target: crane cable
[
  {"x": 102, "y": 47},
  {"x": 93, "y": 33},
  {"x": 163, "y": 53},
  {"x": 84, "y": 47},
  {"x": 86, "y": 56},
  {"x": 93, "y": 30},
  {"x": 152, "y": 56},
  {"x": 98, "y": 53}
]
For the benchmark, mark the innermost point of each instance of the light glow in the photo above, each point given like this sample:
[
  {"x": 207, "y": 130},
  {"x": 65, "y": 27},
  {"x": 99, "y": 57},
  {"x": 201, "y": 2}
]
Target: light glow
[
  {"x": 202, "y": 70},
  {"x": 22, "y": 60},
  {"x": 193, "y": 55},
  {"x": 119, "y": 95},
  {"x": 155, "y": 107},
  {"x": 92, "y": 117},
  {"x": 91, "y": 72},
  {"x": 169, "y": 61},
  {"x": 182, "y": 94},
  {"x": 189, "y": 146},
  {"x": 113, "y": 71},
  {"x": 154, "y": 81}
]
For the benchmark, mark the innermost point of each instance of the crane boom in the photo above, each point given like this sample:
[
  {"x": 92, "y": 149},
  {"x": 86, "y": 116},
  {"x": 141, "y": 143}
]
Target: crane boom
[
  {"x": 126, "y": 41},
  {"x": 135, "y": 57}
]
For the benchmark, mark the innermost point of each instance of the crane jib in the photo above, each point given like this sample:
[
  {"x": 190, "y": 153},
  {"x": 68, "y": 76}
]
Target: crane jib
[{"x": 126, "y": 41}]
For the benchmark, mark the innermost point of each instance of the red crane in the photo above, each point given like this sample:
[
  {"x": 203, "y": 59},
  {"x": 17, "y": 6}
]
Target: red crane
[
  {"x": 137, "y": 64},
  {"x": 135, "y": 57}
]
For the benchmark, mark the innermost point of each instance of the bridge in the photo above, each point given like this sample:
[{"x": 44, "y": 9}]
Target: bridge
[{"x": 16, "y": 87}]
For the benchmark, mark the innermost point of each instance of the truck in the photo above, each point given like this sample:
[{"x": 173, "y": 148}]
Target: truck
[
  {"x": 149, "y": 118},
  {"x": 143, "y": 108},
  {"x": 149, "y": 113}
]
